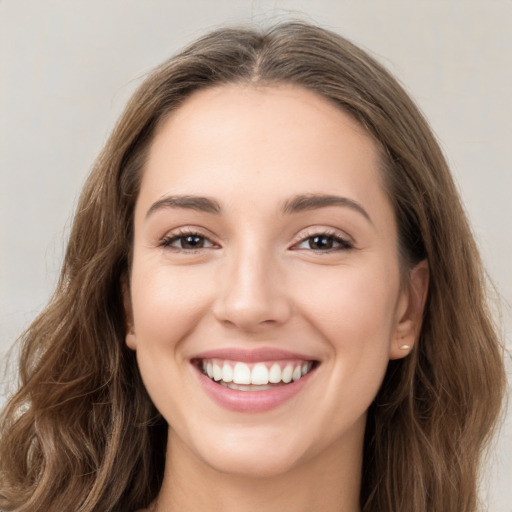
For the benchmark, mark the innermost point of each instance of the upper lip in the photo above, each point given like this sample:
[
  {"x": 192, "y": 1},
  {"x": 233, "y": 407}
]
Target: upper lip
[{"x": 251, "y": 356}]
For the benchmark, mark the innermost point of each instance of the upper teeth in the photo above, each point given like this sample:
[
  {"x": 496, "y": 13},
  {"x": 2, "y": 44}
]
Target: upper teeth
[{"x": 258, "y": 374}]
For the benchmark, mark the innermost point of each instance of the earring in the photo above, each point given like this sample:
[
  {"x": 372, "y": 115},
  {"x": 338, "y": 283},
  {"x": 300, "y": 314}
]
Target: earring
[{"x": 405, "y": 347}]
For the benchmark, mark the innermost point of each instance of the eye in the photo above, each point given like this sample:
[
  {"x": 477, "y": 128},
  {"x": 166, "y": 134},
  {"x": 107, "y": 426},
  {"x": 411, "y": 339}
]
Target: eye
[
  {"x": 324, "y": 242},
  {"x": 187, "y": 242}
]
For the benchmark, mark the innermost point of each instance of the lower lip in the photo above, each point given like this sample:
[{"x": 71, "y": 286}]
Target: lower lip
[{"x": 252, "y": 401}]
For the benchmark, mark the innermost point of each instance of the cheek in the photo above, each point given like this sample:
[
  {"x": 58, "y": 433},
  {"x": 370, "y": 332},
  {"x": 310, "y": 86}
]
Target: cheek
[
  {"x": 354, "y": 313},
  {"x": 166, "y": 302},
  {"x": 167, "y": 305},
  {"x": 354, "y": 308}
]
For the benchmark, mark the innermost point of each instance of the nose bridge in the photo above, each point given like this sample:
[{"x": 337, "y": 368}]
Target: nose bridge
[{"x": 252, "y": 295}]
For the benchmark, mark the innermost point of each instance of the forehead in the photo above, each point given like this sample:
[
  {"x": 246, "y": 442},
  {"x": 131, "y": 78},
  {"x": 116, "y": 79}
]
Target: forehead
[
  {"x": 264, "y": 142},
  {"x": 248, "y": 109}
]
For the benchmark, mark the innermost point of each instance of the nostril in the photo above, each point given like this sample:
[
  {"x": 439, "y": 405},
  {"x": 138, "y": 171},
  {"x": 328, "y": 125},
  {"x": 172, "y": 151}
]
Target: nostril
[{"x": 251, "y": 321}]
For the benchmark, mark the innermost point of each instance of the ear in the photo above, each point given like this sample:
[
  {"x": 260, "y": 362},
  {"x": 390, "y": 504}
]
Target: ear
[
  {"x": 128, "y": 315},
  {"x": 410, "y": 309}
]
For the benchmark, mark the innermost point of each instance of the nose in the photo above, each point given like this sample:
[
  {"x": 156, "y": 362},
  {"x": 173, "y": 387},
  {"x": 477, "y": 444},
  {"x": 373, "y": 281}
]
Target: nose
[{"x": 252, "y": 295}]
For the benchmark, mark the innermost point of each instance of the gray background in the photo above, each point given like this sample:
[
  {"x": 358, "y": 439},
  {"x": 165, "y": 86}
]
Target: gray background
[{"x": 68, "y": 67}]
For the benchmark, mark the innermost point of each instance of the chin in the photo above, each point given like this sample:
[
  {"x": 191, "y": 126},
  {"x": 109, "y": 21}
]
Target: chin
[
  {"x": 253, "y": 457},
  {"x": 266, "y": 465}
]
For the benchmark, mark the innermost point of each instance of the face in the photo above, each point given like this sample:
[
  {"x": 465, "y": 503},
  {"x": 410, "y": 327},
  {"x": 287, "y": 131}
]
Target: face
[{"x": 265, "y": 294}]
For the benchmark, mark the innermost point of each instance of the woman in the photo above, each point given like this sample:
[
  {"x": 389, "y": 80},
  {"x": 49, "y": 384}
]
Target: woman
[{"x": 270, "y": 298}]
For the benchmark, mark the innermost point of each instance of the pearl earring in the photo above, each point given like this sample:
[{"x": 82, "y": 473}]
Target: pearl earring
[{"x": 405, "y": 347}]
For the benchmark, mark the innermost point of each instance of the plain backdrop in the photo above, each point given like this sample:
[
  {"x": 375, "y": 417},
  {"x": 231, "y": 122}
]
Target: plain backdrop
[{"x": 68, "y": 67}]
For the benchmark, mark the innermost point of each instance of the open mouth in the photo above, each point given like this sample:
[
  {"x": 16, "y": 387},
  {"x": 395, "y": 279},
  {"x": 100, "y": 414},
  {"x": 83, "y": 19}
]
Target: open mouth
[{"x": 259, "y": 376}]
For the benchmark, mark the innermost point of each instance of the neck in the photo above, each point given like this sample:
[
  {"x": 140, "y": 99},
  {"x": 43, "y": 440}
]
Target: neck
[{"x": 329, "y": 481}]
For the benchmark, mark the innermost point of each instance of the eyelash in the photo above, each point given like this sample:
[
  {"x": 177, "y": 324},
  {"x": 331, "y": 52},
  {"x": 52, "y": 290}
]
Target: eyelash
[
  {"x": 167, "y": 241},
  {"x": 332, "y": 237}
]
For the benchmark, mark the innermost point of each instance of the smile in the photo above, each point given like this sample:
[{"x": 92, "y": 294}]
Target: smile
[
  {"x": 253, "y": 381},
  {"x": 258, "y": 376}
]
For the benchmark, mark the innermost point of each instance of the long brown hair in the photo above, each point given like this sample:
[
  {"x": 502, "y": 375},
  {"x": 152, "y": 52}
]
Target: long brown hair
[{"x": 82, "y": 434}]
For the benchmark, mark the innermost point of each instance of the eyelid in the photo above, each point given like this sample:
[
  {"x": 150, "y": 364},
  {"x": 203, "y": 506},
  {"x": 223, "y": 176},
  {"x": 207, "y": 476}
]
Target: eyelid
[
  {"x": 182, "y": 232},
  {"x": 344, "y": 239},
  {"x": 346, "y": 242}
]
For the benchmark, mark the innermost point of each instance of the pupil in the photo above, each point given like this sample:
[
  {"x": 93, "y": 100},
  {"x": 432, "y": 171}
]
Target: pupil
[
  {"x": 320, "y": 242},
  {"x": 193, "y": 241}
]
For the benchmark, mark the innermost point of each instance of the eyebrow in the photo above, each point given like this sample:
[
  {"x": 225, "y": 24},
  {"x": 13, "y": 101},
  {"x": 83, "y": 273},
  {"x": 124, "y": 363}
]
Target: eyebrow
[
  {"x": 307, "y": 202},
  {"x": 197, "y": 203},
  {"x": 299, "y": 203}
]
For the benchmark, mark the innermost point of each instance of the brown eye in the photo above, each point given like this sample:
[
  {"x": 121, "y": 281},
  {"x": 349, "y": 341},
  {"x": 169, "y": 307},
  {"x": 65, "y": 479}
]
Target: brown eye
[
  {"x": 191, "y": 242},
  {"x": 324, "y": 242},
  {"x": 321, "y": 242},
  {"x": 186, "y": 242}
]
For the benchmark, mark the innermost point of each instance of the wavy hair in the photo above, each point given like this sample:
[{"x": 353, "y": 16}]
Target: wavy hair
[{"x": 82, "y": 434}]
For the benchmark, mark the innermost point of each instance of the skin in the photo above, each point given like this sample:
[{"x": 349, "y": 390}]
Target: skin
[{"x": 258, "y": 281}]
